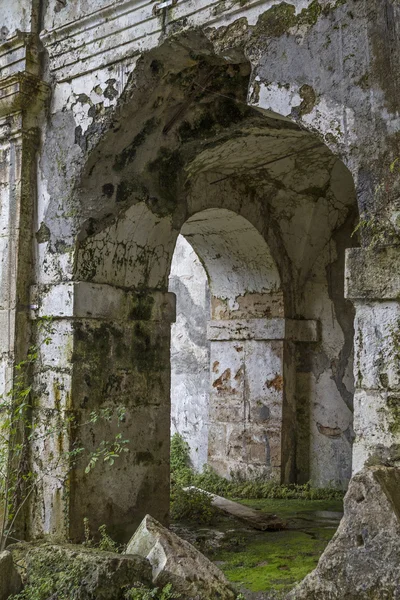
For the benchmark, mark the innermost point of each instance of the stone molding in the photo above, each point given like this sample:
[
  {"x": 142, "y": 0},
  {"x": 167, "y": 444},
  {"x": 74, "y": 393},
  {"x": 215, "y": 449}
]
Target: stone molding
[
  {"x": 21, "y": 89},
  {"x": 85, "y": 300},
  {"x": 18, "y": 54},
  {"x": 22, "y": 92},
  {"x": 122, "y": 30},
  {"x": 264, "y": 329},
  {"x": 373, "y": 273}
]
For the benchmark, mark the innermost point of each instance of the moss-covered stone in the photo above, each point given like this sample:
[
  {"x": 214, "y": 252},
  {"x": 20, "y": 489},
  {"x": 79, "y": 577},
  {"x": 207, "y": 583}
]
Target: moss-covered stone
[
  {"x": 309, "y": 99},
  {"x": 77, "y": 572},
  {"x": 129, "y": 152},
  {"x": 276, "y": 21},
  {"x": 166, "y": 167}
]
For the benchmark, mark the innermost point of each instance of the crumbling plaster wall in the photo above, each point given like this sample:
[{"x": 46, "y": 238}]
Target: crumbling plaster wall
[
  {"x": 331, "y": 67},
  {"x": 190, "y": 352},
  {"x": 17, "y": 16},
  {"x": 326, "y": 56}
]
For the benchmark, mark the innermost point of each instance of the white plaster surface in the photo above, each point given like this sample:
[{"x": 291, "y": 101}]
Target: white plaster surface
[
  {"x": 234, "y": 254},
  {"x": 190, "y": 355}
]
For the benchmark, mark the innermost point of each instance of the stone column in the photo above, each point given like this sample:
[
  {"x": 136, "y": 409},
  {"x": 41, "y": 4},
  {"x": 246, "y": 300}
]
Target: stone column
[
  {"x": 252, "y": 420},
  {"x": 22, "y": 97},
  {"x": 373, "y": 285},
  {"x": 108, "y": 352}
]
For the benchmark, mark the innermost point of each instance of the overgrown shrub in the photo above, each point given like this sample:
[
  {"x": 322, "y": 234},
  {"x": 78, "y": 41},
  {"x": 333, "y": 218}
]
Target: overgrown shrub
[
  {"x": 259, "y": 488},
  {"x": 192, "y": 505}
]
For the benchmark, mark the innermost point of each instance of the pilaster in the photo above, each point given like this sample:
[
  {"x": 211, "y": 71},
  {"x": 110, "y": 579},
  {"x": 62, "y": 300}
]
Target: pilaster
[
  {"x": 108, "y": 352},
  {"x": 373, "y": 285},
  {"x": 252, "y": 420},
  {"x": 22, "y": 97}
]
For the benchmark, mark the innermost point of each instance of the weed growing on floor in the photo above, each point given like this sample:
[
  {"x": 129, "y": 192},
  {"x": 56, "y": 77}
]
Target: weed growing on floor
[{"x": 183, "y": 476}]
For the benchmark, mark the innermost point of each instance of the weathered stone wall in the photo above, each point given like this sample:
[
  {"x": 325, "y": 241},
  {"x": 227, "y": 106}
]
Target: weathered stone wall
[
  {"x": 190, "y": 352},
  {"x": 153, "y": 118}
]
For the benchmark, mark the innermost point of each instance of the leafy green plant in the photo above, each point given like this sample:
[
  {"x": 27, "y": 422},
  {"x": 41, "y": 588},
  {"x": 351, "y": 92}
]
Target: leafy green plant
[
  {"x": 180, "y": 457},
  {"x": 21, "y": 428},
  {"x": 106, "y": 543},
  {"x": 192, "y": 505},
  {"x": 181, "y": 472},
  {"x": 195, "y": 505}
]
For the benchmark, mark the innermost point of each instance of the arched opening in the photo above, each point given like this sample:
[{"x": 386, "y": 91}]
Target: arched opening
[
  {"x": 262, "y": 391},
  {"x": 268, "y": 210},
  {"x": 223, "y": 273}
]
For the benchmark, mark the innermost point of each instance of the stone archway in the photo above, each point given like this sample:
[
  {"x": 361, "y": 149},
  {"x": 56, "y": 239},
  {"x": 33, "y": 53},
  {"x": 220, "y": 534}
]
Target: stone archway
[
  {"x": 159, "y": 163},
  {"x": 244, "y": 423}
]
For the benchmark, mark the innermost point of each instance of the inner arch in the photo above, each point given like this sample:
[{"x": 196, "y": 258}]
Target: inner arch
[
  {"x": 227, "y": 285},
  {"x": 234, "y": 254}
]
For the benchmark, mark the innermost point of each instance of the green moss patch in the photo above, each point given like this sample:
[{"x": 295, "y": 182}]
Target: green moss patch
[
  {"x": 277, "y": 561},
  {"x": 277, "y": 565},
  {"x": 272, "y": 562},
  {"x": 295, "y": 508}
]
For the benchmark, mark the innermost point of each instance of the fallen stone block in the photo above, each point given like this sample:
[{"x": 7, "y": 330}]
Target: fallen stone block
[
  {"x": 363, "y": 559},
  {"x": 10, "y": 580},
  {"x": 84, "y": 573},
  {"x": 254, "y": 518},
  {"x": 175, "y": 561}
]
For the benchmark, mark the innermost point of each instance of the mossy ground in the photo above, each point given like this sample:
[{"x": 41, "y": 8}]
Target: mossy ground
[{"x": 269, "y": 562}]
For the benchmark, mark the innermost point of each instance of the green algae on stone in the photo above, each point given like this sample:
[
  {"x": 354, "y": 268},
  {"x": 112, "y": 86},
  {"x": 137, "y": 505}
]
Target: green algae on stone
[{"x": 277, "y": 20}]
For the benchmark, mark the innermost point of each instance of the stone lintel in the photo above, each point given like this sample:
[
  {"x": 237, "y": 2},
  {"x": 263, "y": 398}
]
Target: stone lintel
[
  {"x": 85, "y": 300},
  {"x": 373, "y": 273},
  {"x": 263, "y": 329}
]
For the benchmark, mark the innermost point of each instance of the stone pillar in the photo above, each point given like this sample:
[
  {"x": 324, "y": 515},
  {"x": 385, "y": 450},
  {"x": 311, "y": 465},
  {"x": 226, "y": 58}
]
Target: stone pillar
[
  {"x": 373, "y": 285},
  {"x": 252, "y": 419},
  {"x": 108, "y": 353},
  {"x": 22, "y": 97}
]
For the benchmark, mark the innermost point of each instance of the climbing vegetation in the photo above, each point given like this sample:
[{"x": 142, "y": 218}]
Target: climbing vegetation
[
  {"x": 187, "y": 504},
  {"x": 25, "y": 424}
]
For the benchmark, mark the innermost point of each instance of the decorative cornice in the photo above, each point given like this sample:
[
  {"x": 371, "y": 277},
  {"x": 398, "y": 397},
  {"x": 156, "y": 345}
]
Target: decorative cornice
[
  {"x": 263, "y": 329},
  {"x": 20, "y": 54},
  {"x": 22, "y": 92},
  {"x": 121, "y": 30}
]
